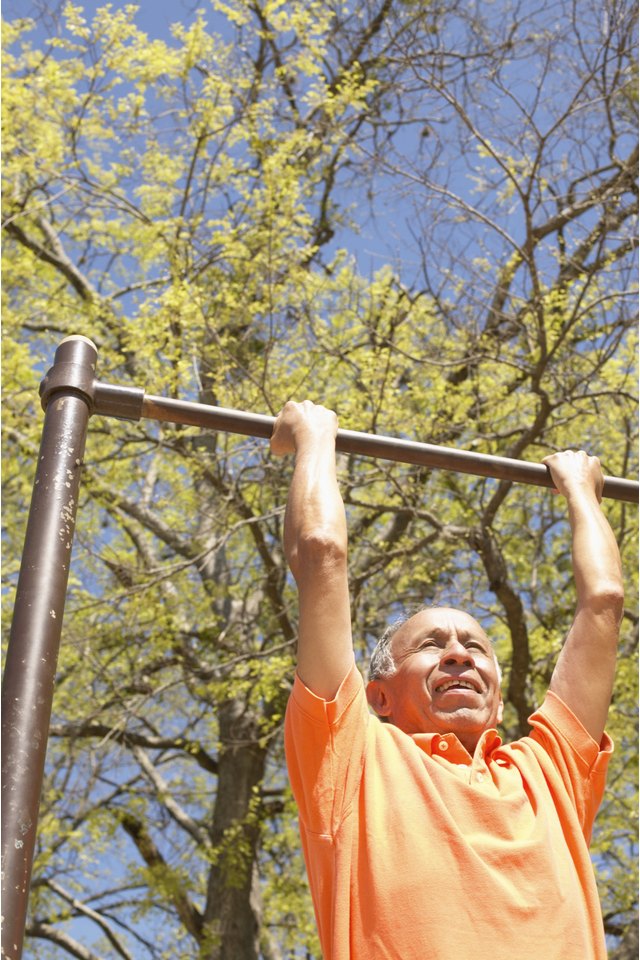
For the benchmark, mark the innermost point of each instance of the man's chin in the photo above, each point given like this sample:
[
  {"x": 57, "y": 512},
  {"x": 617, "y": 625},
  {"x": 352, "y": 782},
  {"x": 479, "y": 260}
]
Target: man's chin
[{"x": 463, "y": 719}]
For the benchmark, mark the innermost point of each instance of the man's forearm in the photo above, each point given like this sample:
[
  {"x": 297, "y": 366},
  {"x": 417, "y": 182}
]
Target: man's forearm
[
  {"x": 315, "y": 527},
  {"x": 584, "y": 673},
  {"x": 597, "y": 567}
]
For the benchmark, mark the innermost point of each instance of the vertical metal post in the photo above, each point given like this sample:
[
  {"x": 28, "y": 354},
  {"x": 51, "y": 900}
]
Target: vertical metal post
[{"x": 32, "y": 654}]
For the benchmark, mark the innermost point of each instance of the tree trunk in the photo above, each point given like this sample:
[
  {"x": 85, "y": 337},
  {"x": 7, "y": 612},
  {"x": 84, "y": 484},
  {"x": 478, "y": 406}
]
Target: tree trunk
[{"x": 232, "y": 914}]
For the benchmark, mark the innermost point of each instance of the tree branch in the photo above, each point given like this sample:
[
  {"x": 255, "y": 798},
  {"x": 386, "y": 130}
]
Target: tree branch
[
  {"x": 165, "y": 797},
  {"x": 103, "y": 731},
  {"x": 86, "y": 911},
  {"x": 55, "y": 256},
  {"x": 45, "y": 931},
  {"x": 189, "y": 915}
]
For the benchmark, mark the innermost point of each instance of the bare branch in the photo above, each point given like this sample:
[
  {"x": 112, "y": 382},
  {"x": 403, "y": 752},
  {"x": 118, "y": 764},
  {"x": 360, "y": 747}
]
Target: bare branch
[
  {"x": 165, "y": 796},
  {"x": 187, "y": 911},
  {"x": 53, "y": 255},
  {"x": 91, "y": 914},
  {"x": 46, "y": 931}
]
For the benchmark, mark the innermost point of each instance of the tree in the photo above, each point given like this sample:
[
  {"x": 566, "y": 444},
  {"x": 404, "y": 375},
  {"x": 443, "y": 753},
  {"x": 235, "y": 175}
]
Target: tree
[{"x": 189, "y": 204}]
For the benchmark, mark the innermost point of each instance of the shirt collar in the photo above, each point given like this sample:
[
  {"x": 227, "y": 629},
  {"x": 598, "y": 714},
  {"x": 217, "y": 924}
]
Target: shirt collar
[{"x": 447, "y": 746}]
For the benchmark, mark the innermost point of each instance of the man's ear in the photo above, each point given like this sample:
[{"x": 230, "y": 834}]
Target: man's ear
[{"x": 378, "y": 697}]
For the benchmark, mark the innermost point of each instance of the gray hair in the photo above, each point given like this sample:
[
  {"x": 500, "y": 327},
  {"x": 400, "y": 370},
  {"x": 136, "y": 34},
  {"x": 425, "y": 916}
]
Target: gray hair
[{"x": 382, "y": 664}]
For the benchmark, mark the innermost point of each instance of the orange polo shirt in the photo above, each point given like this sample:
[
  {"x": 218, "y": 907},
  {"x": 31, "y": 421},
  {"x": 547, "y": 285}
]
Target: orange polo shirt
[{"x": 417, "y": 851}]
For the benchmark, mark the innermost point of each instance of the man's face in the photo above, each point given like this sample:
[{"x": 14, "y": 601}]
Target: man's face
[{"x": 446, "y": 678}]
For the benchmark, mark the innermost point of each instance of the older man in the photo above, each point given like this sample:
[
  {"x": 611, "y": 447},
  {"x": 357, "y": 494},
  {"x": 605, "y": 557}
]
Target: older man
[{"x": 424, "y": 836}]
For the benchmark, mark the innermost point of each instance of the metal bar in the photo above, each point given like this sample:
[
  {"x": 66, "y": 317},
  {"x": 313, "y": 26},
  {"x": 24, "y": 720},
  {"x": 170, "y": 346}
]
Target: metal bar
[
  {"x": 32, "y": 653},
  {"x": 372, "y": 445}
]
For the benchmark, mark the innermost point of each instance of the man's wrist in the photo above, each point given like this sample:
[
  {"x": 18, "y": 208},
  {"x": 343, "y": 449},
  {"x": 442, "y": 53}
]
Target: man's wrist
[
  {"x": 579, "y": 496},
  {"x": 315, "y": 444}
]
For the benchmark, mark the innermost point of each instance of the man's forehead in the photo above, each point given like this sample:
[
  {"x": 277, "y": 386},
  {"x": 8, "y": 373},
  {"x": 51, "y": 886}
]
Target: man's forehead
[{"x": 440, "y": 623}]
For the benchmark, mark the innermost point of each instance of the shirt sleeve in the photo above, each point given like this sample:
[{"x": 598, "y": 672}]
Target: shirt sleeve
[
  {"x": 576, "y": 758},
  {"x": 325, "y": 745}
]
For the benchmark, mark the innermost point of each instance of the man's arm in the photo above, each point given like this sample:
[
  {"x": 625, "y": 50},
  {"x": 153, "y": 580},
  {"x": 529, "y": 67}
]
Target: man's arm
[
  {"x": 583, "y": 676},
  {"x": 315, "y": 542}
]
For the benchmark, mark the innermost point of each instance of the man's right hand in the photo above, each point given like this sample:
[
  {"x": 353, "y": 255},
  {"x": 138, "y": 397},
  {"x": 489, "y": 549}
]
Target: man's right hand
[
  {"x": 298, "y": 423},
  {"x": 575, "y": 473}
]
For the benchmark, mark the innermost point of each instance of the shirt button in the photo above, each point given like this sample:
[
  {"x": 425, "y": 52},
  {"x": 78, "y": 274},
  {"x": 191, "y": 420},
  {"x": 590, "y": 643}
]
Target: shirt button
[
  {"x": 443, "y": 745},
  {"x": 479, "y": 776}
]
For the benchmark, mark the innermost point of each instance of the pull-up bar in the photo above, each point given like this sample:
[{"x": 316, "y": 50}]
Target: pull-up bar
[
  {"x": 132, "y": 403},
  {"x": 70, "y": 395},
  {"x": 374, "y": 445}
]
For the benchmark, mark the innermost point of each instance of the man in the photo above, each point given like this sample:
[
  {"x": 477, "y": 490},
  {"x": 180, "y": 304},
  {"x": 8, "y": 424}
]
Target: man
[{"x": 424, "y": 836}]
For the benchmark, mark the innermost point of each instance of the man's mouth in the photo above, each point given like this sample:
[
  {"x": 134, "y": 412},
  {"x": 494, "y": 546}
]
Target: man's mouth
[{"x": 456, "y": 684}]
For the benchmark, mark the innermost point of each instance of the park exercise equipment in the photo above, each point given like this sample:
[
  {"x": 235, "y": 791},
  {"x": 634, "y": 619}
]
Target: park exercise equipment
[{"x": 70, "y": 394}]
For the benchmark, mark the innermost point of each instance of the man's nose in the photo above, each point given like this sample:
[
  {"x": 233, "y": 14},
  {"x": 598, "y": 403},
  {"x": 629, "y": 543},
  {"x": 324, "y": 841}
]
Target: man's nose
[{"x": 456, "y": 653}]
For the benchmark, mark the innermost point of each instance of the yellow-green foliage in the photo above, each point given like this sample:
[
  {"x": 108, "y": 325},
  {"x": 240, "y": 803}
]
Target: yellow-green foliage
[{"x": 190, "y": 203}]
